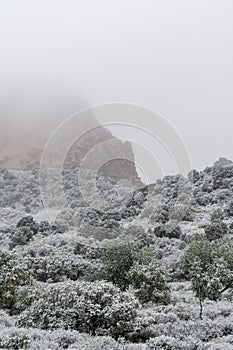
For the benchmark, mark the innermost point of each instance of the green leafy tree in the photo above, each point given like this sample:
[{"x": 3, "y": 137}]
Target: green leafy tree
[
  {"x": 127, "y": 265},
  {"x": 209, "y": 265},
  {"x": 149, "y": 282},
  {"x": 118, "y": 260}
]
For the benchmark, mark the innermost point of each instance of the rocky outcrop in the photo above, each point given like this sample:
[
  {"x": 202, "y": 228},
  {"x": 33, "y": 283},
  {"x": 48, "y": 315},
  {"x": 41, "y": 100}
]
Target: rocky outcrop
[
  {"x": 223, "y": 161},
  {"x": 21, "y": 148}
]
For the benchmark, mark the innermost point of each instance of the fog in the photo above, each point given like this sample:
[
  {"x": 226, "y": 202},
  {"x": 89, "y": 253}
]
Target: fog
[
  {"x": 30, "y": 106},
  {"x": 174, "y": 57}
]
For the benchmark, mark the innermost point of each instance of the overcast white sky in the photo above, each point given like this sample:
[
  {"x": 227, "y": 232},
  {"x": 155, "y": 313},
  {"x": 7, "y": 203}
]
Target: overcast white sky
[{"x": 174, "y": 56}]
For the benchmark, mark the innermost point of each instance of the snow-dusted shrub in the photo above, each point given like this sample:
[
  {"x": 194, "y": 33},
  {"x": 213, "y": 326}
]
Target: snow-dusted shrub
[
  {"x": 173, "y": 229},
  {"x": 207, "y": 183},
  {"x": 194, "y": 176},
  {"x": 145, "y": 238},
  {"x": 12, "y": 276},
  {"x": 96, "y": 343},
  {"x": 46, "y": 228},
  {"x": 8, "y": 175},
  {"x": 5, "y": 320},
  {"x": 58, "y": 266},
  {"x": 89, "y": 251},
  {"x": 222, "y": 176},
  {"x": 20, "y": 236},
  {"x": 216, "y": 229},
  {"x": 216, "y": 345},
  {"x": 221, "y": 308},
  {"x": 51, "y": 258},
  {"x": 26, "y": 295},
  {"x": 60, "y": 339},
  {"x": 170, "y": 230},
  {"x": 90, "y": 216},
  {"x": 99, "y": 232},
  {"x": 95, "y": 308},
  {"x": 183, "y": 310},
  {"x": 201, "y": 331},
  {"x": 202, "y": 198},
  {"x": 170, "y": 343},
  {"x": 222, "y": 195},
  {"x": 170, "y": 251},
  {"x": 229, "y": 209},
  {"x": 64, "y": 220},
  {"x": 29, "y": 222},
  {"x": 156, "y": 211},
  {"x": 149, "y": 282},
  {"x": 180, "y": 212},
  {"x": 218, "y": 214},
  {"x": 15, "y": 343}
]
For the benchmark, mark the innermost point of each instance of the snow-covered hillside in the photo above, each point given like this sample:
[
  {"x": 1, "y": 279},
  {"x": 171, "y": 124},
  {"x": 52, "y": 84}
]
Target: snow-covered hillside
[{"x": 154, "y": 273}]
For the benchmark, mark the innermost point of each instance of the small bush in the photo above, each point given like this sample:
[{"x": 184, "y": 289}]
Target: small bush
[
  {"x": 170, "y": 343},
  {"x": 15, "y": 343},
  {"x": 29, "y": 222},
  {"x": 215, "y": 230},
  {"x": 180, "y": 212},
  {"x": 12, "y": 277},
  {"x": 229, "y": 209},
  {"x": 217, "y": 215},
  {"x": 170, "y": 230},
  {"x": 20, "y": 236}
]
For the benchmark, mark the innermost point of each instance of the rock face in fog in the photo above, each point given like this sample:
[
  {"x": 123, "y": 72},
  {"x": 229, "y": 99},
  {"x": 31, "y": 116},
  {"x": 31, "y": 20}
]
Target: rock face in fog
[
  {"x": 22, "y": 146},
  {"x": 223, "y": 161},
  {"x": 29, "y": 115}
]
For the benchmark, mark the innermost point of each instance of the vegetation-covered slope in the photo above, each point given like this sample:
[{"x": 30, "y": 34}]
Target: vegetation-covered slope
[{"x": 156, "y": 274}]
